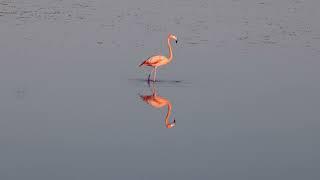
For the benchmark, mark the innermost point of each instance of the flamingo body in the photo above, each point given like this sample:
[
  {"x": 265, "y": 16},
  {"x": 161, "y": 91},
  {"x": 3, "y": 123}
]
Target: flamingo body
[
  {"x": 155, "y": 61},
  {"x": 155, "y": 101}
]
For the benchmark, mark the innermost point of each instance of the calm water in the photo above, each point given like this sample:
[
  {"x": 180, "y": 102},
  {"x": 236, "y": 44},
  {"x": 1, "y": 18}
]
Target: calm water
[{"x": 244, "y": 88}]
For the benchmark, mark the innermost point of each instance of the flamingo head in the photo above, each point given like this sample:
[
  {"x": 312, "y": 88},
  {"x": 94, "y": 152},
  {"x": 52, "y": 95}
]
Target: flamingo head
[
  {"x": 171, "y": 36},
  {"x": 171, "y": 125}
]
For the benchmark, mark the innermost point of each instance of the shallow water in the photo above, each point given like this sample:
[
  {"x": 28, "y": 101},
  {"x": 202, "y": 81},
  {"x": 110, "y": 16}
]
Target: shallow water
[{"x": 244, "y": 88}]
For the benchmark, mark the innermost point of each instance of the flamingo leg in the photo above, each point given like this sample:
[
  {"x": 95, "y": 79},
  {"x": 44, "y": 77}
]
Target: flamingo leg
[
  {"x": 150, "y": 74},
  {"x": 154, "y": 74}
]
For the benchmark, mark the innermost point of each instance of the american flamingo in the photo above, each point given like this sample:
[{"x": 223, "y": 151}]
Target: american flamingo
[
  {"x": 158, "y": 102},
  {"x": 159, "y": 60}
]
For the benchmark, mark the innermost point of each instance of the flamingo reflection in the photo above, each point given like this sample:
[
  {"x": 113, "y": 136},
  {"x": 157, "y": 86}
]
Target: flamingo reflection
[{"x": 158, "y": 102}]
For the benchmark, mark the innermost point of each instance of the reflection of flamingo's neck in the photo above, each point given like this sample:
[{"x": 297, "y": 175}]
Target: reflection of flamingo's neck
[
  {"x": 168, "y": 124},
  {"x": 170, "y": 50}
]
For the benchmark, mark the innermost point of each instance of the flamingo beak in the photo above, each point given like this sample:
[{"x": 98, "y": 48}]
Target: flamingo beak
[{"x": 177, "y": 41}]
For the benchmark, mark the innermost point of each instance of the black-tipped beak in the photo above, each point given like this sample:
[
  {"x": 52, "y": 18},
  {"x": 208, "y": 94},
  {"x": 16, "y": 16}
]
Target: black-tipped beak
[{"x": 176, "y": 41}]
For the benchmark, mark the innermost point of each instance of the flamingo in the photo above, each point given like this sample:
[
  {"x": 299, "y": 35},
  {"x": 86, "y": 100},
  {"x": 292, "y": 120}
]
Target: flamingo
[
  {"x": 158, "y": 102},
  {"x": 159, "y": 60}
]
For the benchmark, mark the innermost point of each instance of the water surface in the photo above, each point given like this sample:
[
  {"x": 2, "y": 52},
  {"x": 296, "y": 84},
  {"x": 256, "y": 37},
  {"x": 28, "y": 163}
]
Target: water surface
[{"x": 243, "y": 85}]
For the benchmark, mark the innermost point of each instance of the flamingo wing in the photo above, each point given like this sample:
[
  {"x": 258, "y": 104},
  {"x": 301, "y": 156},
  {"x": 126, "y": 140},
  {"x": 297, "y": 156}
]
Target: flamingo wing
[{"x": 153, "y": 60}]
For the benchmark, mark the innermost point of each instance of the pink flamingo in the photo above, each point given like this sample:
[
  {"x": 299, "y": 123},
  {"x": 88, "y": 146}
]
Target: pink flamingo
[
  {"x": 158, "y": 102},
  {"x": 159, "y": 60}
]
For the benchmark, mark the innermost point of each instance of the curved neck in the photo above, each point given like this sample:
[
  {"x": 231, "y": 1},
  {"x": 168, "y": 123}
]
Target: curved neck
[
  {"x": 170, "y": 50},
  {"x": 168, "y": 115}
]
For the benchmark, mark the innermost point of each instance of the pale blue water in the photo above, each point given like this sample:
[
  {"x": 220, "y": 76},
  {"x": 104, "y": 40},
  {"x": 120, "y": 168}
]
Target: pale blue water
[{"x": 246, "y": 102}]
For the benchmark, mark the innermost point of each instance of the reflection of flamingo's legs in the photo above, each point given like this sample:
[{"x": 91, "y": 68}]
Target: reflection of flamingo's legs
[
  {"x": 154, "y": 91},
  {"x": 154, "y": 74}
]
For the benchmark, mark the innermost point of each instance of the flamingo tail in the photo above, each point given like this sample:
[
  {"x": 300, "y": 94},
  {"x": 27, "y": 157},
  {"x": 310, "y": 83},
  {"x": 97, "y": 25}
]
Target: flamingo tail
[{"x": 142, "y": 63}]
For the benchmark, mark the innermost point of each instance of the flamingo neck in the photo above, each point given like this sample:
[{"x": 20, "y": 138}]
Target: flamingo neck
[
  {"x": 168, "y": 115},
  {"x": 170, "y": 50}
]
